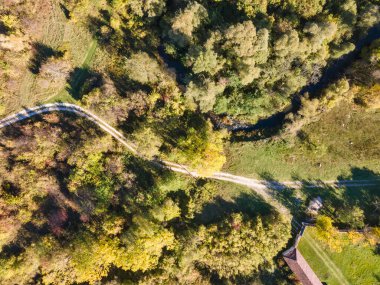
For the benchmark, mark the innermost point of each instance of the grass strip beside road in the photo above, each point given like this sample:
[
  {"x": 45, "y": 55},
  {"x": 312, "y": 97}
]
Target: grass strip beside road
[{"x": 90, "y": 54}]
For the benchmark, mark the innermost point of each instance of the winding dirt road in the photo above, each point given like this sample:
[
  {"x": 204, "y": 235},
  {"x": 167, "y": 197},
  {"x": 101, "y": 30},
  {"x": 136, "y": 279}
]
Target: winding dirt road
[{"x": 262, "y": 187}]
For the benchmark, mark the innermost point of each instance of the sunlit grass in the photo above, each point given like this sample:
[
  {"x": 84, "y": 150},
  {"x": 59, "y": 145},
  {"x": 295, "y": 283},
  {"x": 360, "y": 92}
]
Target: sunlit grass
[
  {"x": 359, "y": 264},
  {"x": 343, "y": 139},
  {"x": 59, "y": 33}
]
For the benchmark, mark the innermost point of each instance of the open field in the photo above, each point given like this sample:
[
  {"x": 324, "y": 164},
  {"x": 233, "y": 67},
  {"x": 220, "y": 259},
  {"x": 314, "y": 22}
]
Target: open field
[
  {"x": 356, "y": 264},
  {"x": 345, "y": 138},
  {"x": 58, "y": 33}
]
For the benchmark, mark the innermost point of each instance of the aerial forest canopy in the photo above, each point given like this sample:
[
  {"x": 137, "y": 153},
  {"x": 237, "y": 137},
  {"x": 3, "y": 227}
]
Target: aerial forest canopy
[
  {"x": 77, "y": 208},
  {"x": 245, "y": 59},
  {"x": 83, "y": 209}
]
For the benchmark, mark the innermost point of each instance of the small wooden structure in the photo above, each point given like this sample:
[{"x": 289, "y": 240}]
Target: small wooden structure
[{"x": 314, "y": 206}]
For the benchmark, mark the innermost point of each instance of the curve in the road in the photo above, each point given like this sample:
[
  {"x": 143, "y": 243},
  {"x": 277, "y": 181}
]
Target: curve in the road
[{"x": 262, "y": 187}]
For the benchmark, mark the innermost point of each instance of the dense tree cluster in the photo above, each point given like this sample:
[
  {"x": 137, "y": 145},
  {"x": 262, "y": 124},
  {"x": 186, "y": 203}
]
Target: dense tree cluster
[
  {"x": 262, "y": 54},
  {"x": 359, "y": 84},
  {"x": 245, "y": 59},
  {"x": 82, "y": 207},
  {"x": 239, "y": 246},
  {"x": 365, "y": 77},
  {"x": 162, "y": 60},
  {"x": 83, "y": 210}
]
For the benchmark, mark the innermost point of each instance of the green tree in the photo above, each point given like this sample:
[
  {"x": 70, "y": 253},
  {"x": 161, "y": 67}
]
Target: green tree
[
  {"x": 369, "y": 16},
  {"x": 208, "y": 61},
  {"x": 142, "y": 68},
  {"x": 342, "y": 49},
  {"x": 147, "y": 8},
  {"x": 90, "y": 177},
  {"x": 201, "y": 148},
  {"x": 167, "y": 211},
  {"x": 306, "y": 8},
  {"x": 20, "y": 269},
  {"x": 239, "y": 246},
  {"x": 327, "y": 233},
  {"x": 204, "y": 94},
  {"x": 352, "y": 216},
  {"x": 252, "y": 7},
  {"x": 9, "y": 24},
  {"x": 369, "y": 97},
  {"x": 245, "y": 48},
  {"x": 144, "y": 242},
  {"x": 241, "y": 40},
  {"x": 197, "y": 196},
  {"x": 247, "y": 71},
  {"x": 287, "y": 44},
  {"x": 185, "y": 23},
  {"x": 92, "y": 257},
  {"x": 147, "y": 141}
]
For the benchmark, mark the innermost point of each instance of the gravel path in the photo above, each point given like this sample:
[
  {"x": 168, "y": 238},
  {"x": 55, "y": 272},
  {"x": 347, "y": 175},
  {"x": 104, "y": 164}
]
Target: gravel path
[{"x": 262, "y": 187}]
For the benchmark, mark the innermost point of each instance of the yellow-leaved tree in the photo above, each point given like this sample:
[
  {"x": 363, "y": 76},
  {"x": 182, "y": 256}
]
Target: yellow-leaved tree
[
  {"x": 327, "y": 233},
  {"x": 202, "y": 150}
]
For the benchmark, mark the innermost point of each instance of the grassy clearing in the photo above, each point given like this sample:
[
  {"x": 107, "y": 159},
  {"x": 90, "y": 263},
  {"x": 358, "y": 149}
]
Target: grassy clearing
[
  {"x": 345, "y": 138},
  {"x": 90, "y": 54},
  {"x": 53, "y": 35},
  {"x": 58, "y": 32},
  {"x": 356, "y": 264}
]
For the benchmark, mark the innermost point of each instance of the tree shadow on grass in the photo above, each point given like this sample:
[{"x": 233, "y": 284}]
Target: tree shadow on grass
[
  {"x": 367, "y": 196},
  {"x": 284, "y": 194},
  {"x": 124, "y": 84},
  {"x": 82, "y": 81},
  {"x": 247, "y": 203},
  {"x": 42, "y": 53},
  {"x": 287, "y": 197},
  {"x": 357, "y": 173},
  {"x": 101, "y": 29},
  {"x": 360, "y": 188},
  {"x": 65, "y": 11}
]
